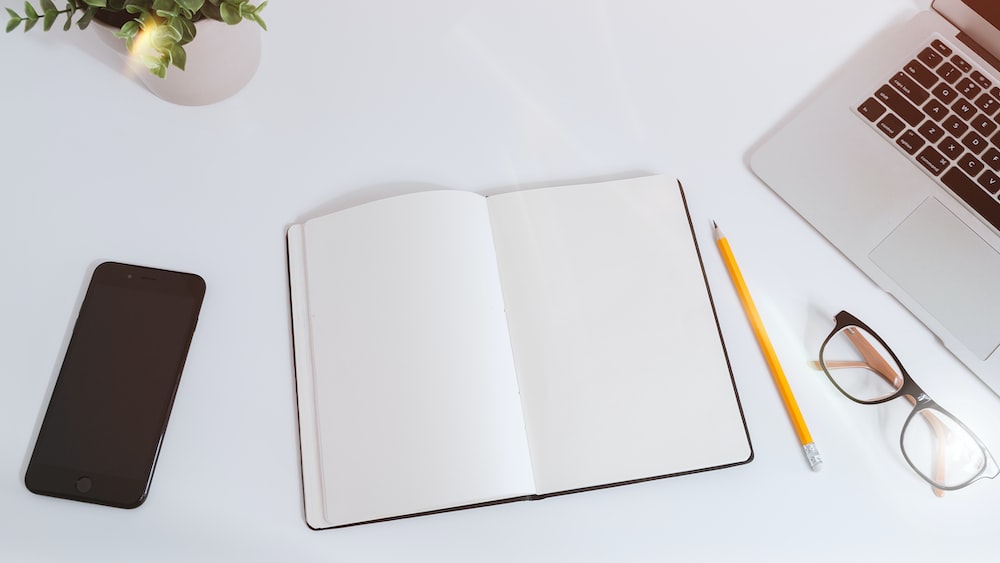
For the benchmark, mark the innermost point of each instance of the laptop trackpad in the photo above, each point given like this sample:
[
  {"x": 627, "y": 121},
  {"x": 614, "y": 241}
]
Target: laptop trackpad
[{"x": 949, "y": 270}]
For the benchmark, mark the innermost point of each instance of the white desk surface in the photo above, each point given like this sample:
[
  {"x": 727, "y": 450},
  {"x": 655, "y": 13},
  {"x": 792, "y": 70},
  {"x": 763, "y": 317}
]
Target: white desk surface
[{"x": 359, "y": 100}]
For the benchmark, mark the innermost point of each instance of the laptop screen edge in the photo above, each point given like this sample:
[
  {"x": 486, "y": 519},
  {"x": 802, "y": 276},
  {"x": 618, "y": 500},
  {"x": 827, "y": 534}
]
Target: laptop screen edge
[{"x": 978, "y": 19}]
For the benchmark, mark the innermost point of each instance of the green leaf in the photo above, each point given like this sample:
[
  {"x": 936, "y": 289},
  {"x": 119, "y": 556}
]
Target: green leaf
[
  {"x": 172, "y": 32},
  {"x": 30, "y": 12},
  {"x": 257, "y": 18},
  {"x": 129, "y": 29},
  {"x": 86, "y": 18},
  {"x": 50, "y": 18},
  {"x": 15, "y": 20},
  {"x": 193, "y": 5},
  {"x": 160, "y": 41},
  {"x": 188, "y": 31},
  {"x": 230, "y": 14},
  {"x": 48, "y": 6},
  {"x": 179, "y": 56},
  {"x": 156, "y": 65},
  {"x": 28, "y": 24}
]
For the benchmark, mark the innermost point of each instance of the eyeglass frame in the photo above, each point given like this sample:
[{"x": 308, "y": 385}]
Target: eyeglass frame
[{"x": 913, "y": 393}]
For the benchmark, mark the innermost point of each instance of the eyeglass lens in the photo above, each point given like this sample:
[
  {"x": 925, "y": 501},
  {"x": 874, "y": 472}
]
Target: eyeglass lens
[
  {"x": 860, "y": 366},
  {"x": 941, "y": 449},
  {"x": 935, "y": 444}
]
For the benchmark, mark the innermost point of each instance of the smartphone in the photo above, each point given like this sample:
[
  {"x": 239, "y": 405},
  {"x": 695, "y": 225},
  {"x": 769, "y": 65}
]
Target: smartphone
[{"x": 106, "y": 418}]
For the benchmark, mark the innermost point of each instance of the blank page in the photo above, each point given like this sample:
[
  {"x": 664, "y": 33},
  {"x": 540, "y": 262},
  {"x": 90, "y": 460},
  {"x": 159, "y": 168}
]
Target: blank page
[
  {"x": 416, "y": 399},
  {"x": 618, "y": 353}
]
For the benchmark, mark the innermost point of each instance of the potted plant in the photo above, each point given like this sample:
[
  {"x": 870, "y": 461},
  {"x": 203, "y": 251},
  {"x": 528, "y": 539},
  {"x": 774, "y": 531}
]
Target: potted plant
[{"x": 155, "y": 31}]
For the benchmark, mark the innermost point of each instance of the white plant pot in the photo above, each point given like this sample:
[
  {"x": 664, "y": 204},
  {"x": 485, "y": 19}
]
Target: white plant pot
[{"x": 221, "y": 60}]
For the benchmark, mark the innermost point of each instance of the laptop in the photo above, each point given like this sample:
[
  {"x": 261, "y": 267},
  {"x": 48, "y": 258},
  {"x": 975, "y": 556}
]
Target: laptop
[{"x": 896, "y": 161}]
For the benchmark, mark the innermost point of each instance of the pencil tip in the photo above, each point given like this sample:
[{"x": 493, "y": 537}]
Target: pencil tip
[{"x": 718, "y": 232}]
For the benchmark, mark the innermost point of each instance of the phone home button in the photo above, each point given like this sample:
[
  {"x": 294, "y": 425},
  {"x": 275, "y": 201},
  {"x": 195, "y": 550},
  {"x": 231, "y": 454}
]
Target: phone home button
[{"x": 83, "y": 484}]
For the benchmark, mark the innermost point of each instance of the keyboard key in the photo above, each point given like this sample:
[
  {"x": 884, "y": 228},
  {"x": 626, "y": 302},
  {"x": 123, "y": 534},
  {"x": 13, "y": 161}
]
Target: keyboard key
[
  {"x": 891, "y": 125},
  {"x": 921, "y": 73},
  {"x": 932, "y": 160},
  {"x": 949, "y": 73},
  {"x": 969, "y": 191},
  {"x": 980, "y": 78},
  {"x": 931, "y": 131},
  {"x": 989, "y": 181},
  {"x": 910, "y": 142},
  {"x": 971, "y": 165},
  {"x": 941, "y": 47},
  {"x": 984, "y": 125},
  {"x": 897, "y": 103},
  {"x": 871, "y": 109},
  {"x": 935, "y": 109},
  {"x": 961, "y": 64},
  {"x": 964, "y": 109},
  {"x": 974, "y": 142},
  {"x": 945, "y": 93},
  {"x": 909, "y": 88},
  {"x": 930, "y": 57},
  {"x": 968, "y": 88},
  {"x": 992, "y": 158},
  {"x": 988, "y": 104},
  {"x": 955, "y": 126},
  {"x": 951, "y": 148}
]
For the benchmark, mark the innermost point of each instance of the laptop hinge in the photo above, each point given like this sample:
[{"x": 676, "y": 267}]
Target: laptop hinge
[{"x": 979, "y": 50}]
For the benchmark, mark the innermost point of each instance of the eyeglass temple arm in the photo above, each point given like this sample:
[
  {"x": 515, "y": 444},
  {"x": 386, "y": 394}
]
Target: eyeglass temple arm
[
  {"x": 867, "y": 365},
  {"x": 874, "y": 358},
  {"x": 878, "y": 363}
]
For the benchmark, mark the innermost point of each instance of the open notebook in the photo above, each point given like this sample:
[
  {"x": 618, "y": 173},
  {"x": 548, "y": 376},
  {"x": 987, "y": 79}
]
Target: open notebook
[{"x": 453, "y": 350}]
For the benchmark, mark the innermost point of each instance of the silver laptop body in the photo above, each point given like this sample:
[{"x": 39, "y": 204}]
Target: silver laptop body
[{"x": 879, "y": 161}]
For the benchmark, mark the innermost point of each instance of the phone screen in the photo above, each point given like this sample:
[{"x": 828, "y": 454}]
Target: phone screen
[{"x": 108, "y": 411}]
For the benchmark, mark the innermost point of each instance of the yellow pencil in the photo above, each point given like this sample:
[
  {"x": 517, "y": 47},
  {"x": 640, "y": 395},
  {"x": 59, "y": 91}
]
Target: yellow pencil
[{"x": 808, "y": 446}]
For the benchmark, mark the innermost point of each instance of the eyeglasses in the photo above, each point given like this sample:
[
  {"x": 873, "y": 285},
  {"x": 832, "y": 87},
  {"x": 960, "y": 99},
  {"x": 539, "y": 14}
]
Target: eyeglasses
[{"x": 937, "y": 445}]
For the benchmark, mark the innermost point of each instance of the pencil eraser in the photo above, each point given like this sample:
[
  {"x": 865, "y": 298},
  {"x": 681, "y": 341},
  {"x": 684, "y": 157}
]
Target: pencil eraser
[{"x": 812, "y": 454}]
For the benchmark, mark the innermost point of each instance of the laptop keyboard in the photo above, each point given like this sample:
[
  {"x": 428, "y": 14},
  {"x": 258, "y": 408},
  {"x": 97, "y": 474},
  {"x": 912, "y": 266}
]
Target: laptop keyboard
[{"x": 944, "y": 114}]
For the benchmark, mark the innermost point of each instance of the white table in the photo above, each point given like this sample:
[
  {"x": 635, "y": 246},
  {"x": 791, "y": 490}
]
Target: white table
[{"x": 359, "y": 100}]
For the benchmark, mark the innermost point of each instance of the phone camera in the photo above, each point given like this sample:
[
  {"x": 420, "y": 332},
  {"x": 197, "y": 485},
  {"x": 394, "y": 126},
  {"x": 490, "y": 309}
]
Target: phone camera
[
  {"x": 83, "y": 484},
  {"x": 130, "y": 276}
]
